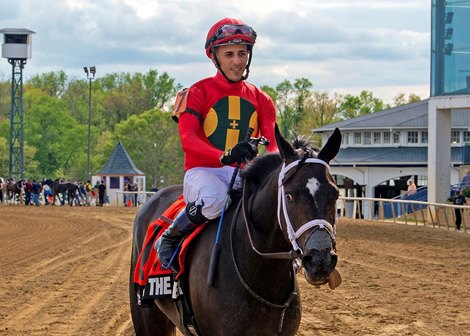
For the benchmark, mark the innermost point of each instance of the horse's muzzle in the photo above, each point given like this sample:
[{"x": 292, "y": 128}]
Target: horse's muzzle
[{"x": 319, "y": 258}]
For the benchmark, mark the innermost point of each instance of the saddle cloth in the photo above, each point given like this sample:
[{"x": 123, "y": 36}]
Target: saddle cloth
[{"x": 151, "y": 279}]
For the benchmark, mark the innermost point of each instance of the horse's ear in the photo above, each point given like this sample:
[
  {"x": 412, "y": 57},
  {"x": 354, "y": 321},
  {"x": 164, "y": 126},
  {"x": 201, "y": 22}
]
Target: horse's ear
[
  {"x": 285, "y": 149},
  {"x": 331, "y": 148}
]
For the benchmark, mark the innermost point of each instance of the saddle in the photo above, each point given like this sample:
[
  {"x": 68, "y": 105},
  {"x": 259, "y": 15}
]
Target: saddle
[{"x": 152, "y": 279}]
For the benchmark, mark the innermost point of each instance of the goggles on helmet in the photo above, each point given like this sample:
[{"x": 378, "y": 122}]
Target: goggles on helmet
[{"x": 232, "y": 30}]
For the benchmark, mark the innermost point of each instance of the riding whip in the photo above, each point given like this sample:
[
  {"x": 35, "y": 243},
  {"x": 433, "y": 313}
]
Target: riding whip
[{"x": 216, "y": 247}]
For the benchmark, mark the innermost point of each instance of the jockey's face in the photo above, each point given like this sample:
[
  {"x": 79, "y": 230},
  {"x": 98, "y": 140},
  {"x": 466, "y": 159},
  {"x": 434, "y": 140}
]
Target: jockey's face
[{"x": 232, "y": 59}]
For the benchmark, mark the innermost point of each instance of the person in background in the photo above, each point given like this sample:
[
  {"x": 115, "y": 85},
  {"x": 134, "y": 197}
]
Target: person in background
[
  {"x": 47, "y": 192},
  {"x": 466, "y": 179},
  {"x": 28, "y": 188},
  {"x": 2, "y": 187},
  {"x": 35, "y": 189},
  {"x": 101, "y": 193},
  {"x": 88, "y": 188},
  {"x": 459, "y": 199},
  {"x": 411, "y": 188},
  {"x": 213, "y": 116}
]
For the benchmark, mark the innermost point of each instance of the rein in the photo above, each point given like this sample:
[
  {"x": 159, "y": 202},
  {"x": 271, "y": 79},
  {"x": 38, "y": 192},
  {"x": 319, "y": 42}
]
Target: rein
[
  {"x": 293, "y": 293},
  {"x": 295, "y": 253}
]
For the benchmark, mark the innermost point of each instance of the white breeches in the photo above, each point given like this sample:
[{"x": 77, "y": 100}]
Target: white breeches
[{"x": 209, "y": 185}]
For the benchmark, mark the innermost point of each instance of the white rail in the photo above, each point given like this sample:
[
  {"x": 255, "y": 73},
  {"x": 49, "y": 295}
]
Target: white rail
[{"x": 403, "y": 211}]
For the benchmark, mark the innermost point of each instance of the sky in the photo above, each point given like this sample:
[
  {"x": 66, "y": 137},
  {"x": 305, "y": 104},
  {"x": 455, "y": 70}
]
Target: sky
[{"x": 342, "y": 46}]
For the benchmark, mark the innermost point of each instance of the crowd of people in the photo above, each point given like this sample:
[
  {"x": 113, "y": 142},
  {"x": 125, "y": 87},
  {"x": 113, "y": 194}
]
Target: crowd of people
[{"x": 46, "y": 192}]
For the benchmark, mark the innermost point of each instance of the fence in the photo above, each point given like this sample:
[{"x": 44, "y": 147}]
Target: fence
[
  {"x": 377, "y": 209},
  {"x": 403, "y": 211},
  {"x": 132, "y": 198}
]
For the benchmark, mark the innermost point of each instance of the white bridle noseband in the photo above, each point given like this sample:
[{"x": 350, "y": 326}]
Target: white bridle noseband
[{"x": 282, "y": 208}]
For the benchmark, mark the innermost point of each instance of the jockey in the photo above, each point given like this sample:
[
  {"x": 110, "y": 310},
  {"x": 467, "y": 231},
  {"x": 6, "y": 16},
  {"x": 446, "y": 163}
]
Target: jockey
[{"x": 213, "y": 117}]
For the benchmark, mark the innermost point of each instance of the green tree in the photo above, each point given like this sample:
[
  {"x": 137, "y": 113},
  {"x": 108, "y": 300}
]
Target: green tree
[
  {"x": 353, "y": 106},
  {"x": 400, "y": 99},
  {"x": 320, "y": 110},
  {"x": 53, "y": 84},
  {"x": 60, "y": 141},
  {"x": 152, "y": 141}
]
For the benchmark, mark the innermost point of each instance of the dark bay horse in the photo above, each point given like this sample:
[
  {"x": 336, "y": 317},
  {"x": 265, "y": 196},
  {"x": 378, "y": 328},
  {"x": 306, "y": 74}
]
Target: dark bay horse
[
  {"x": 286, "y": 217},
  {"x": 59, "y": 188},
  {"x": 14, "y": 190}
]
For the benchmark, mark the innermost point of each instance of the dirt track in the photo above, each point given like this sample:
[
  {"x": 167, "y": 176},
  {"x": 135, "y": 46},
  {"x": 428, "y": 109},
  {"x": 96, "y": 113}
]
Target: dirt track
[{"x": 64, "y": 271}]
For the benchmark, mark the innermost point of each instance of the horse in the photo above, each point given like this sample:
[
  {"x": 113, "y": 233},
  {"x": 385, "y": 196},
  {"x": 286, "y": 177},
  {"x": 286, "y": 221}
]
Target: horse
[
  {"x": 14, "y": 190},
  {"x": 285, "y": 221},
  {"x": 71, "y": 189}
]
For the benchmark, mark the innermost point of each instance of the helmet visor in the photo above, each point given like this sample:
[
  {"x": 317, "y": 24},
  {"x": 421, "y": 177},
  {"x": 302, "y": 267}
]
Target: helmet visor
[{"x": 232, "y": 30}]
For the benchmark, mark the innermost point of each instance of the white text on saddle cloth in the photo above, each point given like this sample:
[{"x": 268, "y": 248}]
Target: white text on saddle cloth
[{"x": 163, "y": 286}]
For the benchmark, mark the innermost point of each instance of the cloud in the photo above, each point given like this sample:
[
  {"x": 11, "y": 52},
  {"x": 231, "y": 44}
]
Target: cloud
[{"x": 336, "y": 44}]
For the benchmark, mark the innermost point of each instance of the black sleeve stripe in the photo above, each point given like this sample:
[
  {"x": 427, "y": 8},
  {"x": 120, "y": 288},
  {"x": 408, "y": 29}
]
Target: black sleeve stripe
[{"x": 193, "y": 112}]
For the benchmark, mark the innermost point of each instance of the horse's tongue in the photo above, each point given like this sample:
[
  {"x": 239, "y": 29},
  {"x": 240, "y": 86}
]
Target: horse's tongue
[{"x": 334, "y": 279}]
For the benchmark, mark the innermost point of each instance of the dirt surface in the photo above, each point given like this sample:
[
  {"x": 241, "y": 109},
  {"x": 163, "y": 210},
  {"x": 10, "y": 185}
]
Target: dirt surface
[{"x": 64, "y": 271}]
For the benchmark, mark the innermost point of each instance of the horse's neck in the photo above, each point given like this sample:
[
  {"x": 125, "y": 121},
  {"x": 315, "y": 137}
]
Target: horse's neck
[{"x": 261, "y": 273}]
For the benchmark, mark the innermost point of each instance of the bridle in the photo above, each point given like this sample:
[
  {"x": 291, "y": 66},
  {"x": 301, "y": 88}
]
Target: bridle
[
  {"x": 282, "y": 207},
  {"x": 293, "y": 235}
]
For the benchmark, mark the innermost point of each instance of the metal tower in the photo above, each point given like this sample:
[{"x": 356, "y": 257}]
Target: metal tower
[
  {"x": 16, "y": 48},
  {"x": 16, "y": 158}
]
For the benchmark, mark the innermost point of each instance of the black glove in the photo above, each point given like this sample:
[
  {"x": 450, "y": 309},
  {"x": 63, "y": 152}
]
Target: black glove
[{"x": 241, "y": 153}]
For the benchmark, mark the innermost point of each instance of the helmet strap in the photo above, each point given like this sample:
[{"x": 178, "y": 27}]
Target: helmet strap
[{"x": 247, "y": 68}]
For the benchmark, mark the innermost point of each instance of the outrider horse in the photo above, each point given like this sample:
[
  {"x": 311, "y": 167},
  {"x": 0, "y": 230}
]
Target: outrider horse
[{"x": 286, "y": 215}]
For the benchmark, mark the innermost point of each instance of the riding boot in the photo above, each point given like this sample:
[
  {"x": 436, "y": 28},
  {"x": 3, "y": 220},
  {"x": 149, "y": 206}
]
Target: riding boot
[{"x": 168, "y": 242}]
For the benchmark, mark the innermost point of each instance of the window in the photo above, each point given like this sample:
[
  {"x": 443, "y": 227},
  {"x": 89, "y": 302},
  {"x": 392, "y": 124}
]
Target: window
[
  {"x": 345, "y": 139},
  {"x": 466, "y": 136},
  {"x": 367, "y": 138},
  {"x": 424, "y": 137},
  {"x": 422, "y": 180},
  {"x": 412, "y": 137},
  {"x": 455, "y": 137},
  {"x": 114, "y": 182},
  {"x": 377, "y": 137},
  {"x": 396, "y": 137},
  {"x": 357, "y": 138},
  {"x": 386, "y": 137}
]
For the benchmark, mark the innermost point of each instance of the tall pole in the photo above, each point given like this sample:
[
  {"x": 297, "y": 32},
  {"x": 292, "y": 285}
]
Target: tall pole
[
  {"x": 89, "y": 131},
  {"x": 90, "y": 73}
]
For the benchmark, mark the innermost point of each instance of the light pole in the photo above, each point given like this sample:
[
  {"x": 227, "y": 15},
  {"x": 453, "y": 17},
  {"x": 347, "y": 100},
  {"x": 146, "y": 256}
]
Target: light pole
[{"x": 90, "y": 75}]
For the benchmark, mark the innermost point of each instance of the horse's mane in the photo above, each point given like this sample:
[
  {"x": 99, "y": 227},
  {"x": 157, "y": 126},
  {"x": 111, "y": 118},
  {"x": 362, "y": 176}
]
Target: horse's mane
[{"x": 261, "y": 167}]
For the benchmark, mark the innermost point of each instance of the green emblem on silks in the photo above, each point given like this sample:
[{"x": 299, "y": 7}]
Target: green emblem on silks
[{"x": 227, "y": 121}]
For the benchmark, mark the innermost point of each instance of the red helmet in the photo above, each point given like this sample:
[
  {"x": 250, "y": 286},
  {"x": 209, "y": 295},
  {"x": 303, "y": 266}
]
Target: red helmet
[{"x": 228, "y": 31}]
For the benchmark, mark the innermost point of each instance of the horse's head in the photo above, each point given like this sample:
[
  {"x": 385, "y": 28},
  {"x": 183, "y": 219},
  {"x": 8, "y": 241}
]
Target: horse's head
[{"x": 307, "y": 204}]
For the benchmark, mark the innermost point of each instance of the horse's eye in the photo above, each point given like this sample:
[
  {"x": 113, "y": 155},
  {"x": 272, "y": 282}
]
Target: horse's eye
[{"x": 289, "y": 198}]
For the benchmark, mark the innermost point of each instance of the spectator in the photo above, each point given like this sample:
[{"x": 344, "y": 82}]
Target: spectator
[
  {"x": 88, "y": 188},
  {"x": 101, "y": 193},
  {"x": 133, "y": 187},
  {"x": 47, "y": 192},
  {"x": 459, "y": 199},
  {"x": 2, "y": 187},
  {"x": 28, "y": 188},
  {"x": 411, "y": 188},
  {"x": 35, "y": 192},
  {"x": 466, "y": 179}
]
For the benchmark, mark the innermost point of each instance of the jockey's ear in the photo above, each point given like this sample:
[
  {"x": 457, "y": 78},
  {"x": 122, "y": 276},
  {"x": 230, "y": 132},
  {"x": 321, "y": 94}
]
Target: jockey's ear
[{"x": 285, "y": 149}]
